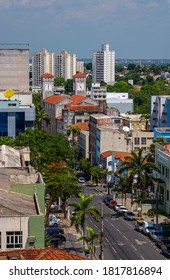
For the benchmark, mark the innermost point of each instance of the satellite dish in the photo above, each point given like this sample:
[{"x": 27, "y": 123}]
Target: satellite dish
[
  {"x": 9, "y": 93},
  {"x": 126, "y": 128}
]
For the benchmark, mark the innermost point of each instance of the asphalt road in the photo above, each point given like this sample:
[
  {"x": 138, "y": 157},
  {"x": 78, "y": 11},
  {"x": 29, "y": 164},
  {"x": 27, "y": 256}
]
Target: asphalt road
[{"x": 121, "y": 241}]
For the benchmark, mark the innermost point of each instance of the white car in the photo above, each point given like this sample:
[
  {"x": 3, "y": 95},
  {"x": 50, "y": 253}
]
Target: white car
[
  {"x": 81, "y": 180},
  {"x": 122, "y": 209},
  {"x": 117, "y": 206},
  {"x": 53, "y": 220}
]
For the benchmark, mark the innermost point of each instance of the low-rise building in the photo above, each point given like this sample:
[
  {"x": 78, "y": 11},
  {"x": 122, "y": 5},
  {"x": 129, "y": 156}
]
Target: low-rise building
[
  {"x": 162, "y": 159},
  {"x": 21, "y": 201}
]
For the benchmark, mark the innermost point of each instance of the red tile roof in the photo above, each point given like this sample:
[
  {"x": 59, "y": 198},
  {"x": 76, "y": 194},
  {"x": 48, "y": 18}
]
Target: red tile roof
[
  {"x": 120, "y": 155},
  {"x": 41, "y": 254},
  {"x": 59, "y": 118},
  {"x": 82, "y": 126},
  {"x": 83, "y": 108},
  {"x": 54, "y": 99},
  {"x": 47, "y": 75},
  {"x": 81, "y": 75},
  {"x": 76, "y": 99}
]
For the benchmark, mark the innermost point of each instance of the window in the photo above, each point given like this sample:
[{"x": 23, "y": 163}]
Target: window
[
  {"x": 14, "y": 239},
  {"x": 143, "y": 141},
  {"x": 167, "y": 195},
  {"x": 137, "y": 141},
  {"x": 163, "y": 170}
]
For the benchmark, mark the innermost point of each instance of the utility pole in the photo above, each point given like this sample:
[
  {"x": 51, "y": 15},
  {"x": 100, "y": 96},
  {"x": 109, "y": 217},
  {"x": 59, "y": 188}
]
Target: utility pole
[{"x": 101, "y": 233}]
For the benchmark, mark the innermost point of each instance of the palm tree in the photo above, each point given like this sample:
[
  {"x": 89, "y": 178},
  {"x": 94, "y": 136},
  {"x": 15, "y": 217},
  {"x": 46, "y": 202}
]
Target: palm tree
[
  {"x": 73, "y": 131},
  {"x": 81, "y": 209},
  {"x": 90, "y": 240},
  {"x": 139, "y": 169},
  {"x": 41, "y": 115}
]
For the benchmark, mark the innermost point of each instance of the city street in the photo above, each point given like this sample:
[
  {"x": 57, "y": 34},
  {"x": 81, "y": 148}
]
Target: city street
[{"x": 121, "y": 241}]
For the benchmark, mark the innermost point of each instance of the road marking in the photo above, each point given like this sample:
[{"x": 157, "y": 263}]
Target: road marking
[
  {"x": 133, "y": 246},
  {"x": 114, "y": 250},
  {"x": 121, "y": 244},
  {"x": 139, "y": 242},
  {"x": 142, "y": 257}
]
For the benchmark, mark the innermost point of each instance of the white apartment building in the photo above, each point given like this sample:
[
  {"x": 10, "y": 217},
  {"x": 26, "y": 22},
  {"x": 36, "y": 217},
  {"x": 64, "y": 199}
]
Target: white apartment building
[
  {"x": 104, "y": 65},
  {"x": 79, "y": 66},
  {"x": 64, "y": 65},
  {"x": 42, "y": 62}
]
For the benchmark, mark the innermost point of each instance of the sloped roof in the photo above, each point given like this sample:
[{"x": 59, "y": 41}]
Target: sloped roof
[
  {"x": 81, "y": 75},
  {"x": 120, "y": 155},
  {"x": 76, "y": 99},
  {"x": 83, "y": 108},
  {"x": 41, "y": 254},
  {"x": 82, "y": 126},
  {"x": 47, "y": 75},
  {"x": 54, "y": 99}
]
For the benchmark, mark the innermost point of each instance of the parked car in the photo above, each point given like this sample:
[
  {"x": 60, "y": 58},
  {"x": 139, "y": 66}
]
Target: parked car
[
  {"x": 106, "y": 197},
  {"x": 148, "y": 227},
  {"x": 53, "y": 220},
  {"x": 112, "y": 203},
  {"x": 129, "y": 216},
  {"x": 59, "y": 236},
  {"x": 139, "y": 225},
  {"x": 108, "y": 201},
  {"x": 155, "y": 235},
  {"x": 117, "y": 206},
  {"x": 162, "y": 241},
  {"x": 122, "y": 210},
  {"x": 81, "y": 180},
  {"x": 54, "y": 206},
  {"x": 57, "y": 241},
  {"x": 166, "y": 250},
  {"x": 55, "y": 230}
]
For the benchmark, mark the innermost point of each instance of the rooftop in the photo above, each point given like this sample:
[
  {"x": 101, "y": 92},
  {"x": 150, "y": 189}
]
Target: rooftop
[{"x": 39, "y": 254}]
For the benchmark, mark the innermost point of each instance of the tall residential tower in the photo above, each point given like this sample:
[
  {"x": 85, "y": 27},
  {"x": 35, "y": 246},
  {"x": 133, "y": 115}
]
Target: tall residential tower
[{"x": 104, "y": 65}]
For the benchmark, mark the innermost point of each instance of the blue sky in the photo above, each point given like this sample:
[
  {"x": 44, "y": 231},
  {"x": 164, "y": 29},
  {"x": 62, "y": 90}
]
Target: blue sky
[{"x": 133, "y": 28}]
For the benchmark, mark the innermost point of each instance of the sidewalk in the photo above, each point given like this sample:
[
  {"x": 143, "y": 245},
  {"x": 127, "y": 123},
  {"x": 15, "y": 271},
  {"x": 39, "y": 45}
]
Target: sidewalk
[
  {"x": 134, "y": 208},
  {"x": 72, "y": 244}
]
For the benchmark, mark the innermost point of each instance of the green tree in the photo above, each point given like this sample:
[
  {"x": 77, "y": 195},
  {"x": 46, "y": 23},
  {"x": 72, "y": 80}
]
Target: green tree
[
  {"x": 159, "y": 139},
  {"x": 119, "y": 87},
  {"x": 90, "y": 239},
  {"x": 69, "y": 86},
  {"x": 59, "y": 81},
  {"x": 103, "y": 84},
  {"x": 81, "y": 209},
  {"x": 61, "y": 182},
  {"x": 45, "y": 147},
  {"x": 36, "y": 98},
  {"x": 139, "y": 169},
  {"x": 124, "y": 186},
  {"x": 85, "y": 166},
  {"x": 41, "y": 116},
  {"x": 89, "y": 82},
  {"x": 73, "y": 131},
  {"x": 7, "y": 140},
  {"x": 96, "y": 173}
]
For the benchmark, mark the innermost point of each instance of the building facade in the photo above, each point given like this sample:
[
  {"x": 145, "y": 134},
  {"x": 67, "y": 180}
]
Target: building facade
[
  {"x": 14, "y": 67},
  {"x": 64, "y": 65},
  {"x": 159, "y": 113},
  {"x": 103, "y": 65},
  {"x": 42, "y": 62}
]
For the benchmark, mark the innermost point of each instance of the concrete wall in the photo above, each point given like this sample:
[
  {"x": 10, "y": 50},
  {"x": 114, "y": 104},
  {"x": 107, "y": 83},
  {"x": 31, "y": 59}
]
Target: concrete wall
[{"x": 14, "y": 69}]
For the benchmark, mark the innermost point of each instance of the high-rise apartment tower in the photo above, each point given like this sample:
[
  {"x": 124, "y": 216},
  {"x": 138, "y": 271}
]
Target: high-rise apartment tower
[{"x": 104, "y": 65}]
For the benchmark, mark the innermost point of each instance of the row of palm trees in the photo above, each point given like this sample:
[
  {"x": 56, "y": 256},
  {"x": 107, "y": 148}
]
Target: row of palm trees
[{"x": 139, "y": 176}]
